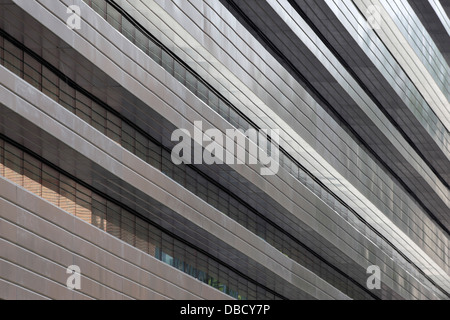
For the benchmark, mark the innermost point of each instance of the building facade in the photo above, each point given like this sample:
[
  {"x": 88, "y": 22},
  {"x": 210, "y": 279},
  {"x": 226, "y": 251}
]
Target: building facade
[{"x": 132, "y": 164}]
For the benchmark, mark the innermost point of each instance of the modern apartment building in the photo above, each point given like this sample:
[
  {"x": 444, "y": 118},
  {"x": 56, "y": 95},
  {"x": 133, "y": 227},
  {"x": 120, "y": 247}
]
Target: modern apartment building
[{"x": 103, "y": 103}]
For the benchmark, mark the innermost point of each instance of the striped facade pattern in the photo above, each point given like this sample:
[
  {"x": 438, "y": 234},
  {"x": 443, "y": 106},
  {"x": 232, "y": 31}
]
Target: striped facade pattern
[{"x": 357, "y": 89}]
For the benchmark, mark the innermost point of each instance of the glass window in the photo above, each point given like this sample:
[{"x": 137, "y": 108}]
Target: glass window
[
  {"x": 67, "y": 96},
  {"x": 83, "y": 107},
  {"x": 128, "y": 227},
  {"x": 141, "y": 146},
  {"x": 202, "y": 92},
  {"x": 179, "y": 255},
  {"x": 213, "y": 273},
  {"x": 191, "y": 82},
  {"x": 128, "y": 30},
  {"x": 83, "y": 208},
  {"x": 167, "y": 163},
  {"x": 154, "y": 155},
  {"x": 190, "y": 180},
  {"x": 167, "y": 62},
  {"x": 223, "y": 109},
  {"x": 202, "y": 191},
  {"x": 155, "y": 239},
  {"x": 213, "y": 101},
  {"x": 178, "y": 174},
  {"x": 127, "y": 137},
  {"x": 202, "y": 266},
  {"x": 179, "y": 72},
  {"x": 50, "y": 184},
  {"x": 167, "y": 249},
  {"x": 13, "y": 164},
  {"x": 32, "y": 71},
  {"x": 98, "y": 117},
  {"x": 155, "y": 52},
  {"x": 114, "y": 17},
  {"x": 113, "y": 219},
  {"x": 190, "y": 260},
  {"x": 32, "y": 175},
  {"x": 142, "y": 41},
  {"x": 251, "y": 291},
  {"x": 114, "y": 129},
  {"x": 99, "y": 212},
  {"x": 67, "y": 192},
  {"x": 99, "y": 6},
  {"x": 13, "y": 58},
  {"x": 234, "y": 118},
  {"x": 142, "y": 236}
]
